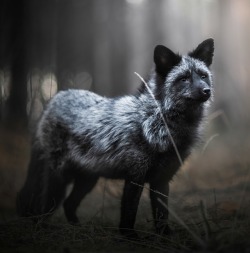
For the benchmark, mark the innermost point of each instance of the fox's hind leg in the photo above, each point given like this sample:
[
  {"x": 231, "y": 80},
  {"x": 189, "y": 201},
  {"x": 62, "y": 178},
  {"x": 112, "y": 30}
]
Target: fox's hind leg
[
  {"x": 83, "y": 184},
  {"x": 55, "y": 183}
]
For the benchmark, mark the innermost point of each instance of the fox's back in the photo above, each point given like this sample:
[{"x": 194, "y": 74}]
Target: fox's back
[{"x": 93, "y": 131}]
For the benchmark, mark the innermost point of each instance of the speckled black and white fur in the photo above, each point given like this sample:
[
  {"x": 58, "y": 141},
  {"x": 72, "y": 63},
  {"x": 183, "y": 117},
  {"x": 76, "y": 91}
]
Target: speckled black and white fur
[{"x": 82, "y": 136}]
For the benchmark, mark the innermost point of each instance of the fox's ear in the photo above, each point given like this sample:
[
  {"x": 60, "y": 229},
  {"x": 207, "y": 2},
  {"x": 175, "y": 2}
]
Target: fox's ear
[
  {"x": 204, "y": 52},
  {"x": 165, "y": 60}
]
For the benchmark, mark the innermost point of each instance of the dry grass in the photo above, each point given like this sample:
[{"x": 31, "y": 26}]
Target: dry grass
[
  {"x": 214, "y": 231},
  {"x": 209, "y": 202}
]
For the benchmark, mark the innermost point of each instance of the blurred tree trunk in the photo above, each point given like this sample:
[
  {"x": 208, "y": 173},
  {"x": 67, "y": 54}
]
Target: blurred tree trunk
[
  {"x": 119, "y": 48},
  {"x": 74, "y": 40},
  {"x": 19, "y": 63},
  {"x": 4, "y": 53},
  {"x": 63, "y": 40}
]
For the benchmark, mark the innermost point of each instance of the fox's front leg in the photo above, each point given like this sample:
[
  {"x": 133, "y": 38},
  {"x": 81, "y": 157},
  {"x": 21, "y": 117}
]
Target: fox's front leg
[
  {"x": 129, "y": 205},
  {"x": 159, "y": 191}
]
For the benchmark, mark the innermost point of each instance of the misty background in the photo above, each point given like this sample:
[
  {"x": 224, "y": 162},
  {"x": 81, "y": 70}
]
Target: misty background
[{"x": 50, "y": 45}]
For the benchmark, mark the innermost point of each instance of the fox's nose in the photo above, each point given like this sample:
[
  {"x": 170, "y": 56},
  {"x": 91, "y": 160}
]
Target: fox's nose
[{"x": 206, "y": 91}]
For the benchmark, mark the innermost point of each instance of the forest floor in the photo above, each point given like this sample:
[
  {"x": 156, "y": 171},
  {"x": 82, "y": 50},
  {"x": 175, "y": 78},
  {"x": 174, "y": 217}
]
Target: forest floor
[{"x": 209, "y": 207}]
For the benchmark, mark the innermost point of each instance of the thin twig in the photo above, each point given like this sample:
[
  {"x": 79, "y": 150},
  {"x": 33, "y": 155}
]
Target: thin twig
[
  {"x": 220, "y": 113},
  {"x": 103, "y": 200},
  {"x": 182, "y": 223},
  {"x": 147, "y": 188},
  {"x": 206, "y": 223},
  {"x": 163, "y": 119},
  {"x": 208, "y": 142}
]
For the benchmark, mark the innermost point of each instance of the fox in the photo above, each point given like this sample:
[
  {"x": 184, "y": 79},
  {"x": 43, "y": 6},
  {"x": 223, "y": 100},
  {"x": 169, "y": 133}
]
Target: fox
[{"x": 140, "y": 138}]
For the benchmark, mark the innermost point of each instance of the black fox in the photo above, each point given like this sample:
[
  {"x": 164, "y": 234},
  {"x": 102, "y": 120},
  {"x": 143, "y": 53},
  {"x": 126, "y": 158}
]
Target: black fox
[{"x": 82, "y": 136}]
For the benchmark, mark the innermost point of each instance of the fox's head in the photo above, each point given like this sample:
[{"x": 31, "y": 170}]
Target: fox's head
[{"x": 184, "y": 79}]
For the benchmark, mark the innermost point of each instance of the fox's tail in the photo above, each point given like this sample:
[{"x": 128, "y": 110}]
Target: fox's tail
[{"x": 44, "y": 188}]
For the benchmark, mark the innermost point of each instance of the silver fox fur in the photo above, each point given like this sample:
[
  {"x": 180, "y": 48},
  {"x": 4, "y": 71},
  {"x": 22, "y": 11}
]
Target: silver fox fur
[{"x": 83, "y": 136}]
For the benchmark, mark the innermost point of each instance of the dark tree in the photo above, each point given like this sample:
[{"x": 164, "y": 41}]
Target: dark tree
[{"x": 17, "y": 47}]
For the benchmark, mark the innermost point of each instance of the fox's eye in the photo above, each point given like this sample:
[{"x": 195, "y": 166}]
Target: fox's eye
[
  {"x": 184, "y": 79},
  {"x": 203, "y": 76}
]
